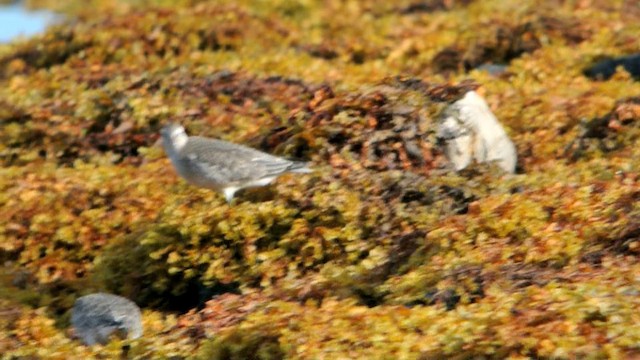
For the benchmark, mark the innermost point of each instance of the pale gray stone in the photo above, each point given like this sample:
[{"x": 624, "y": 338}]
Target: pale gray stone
[{"x": 95, "y": 317}]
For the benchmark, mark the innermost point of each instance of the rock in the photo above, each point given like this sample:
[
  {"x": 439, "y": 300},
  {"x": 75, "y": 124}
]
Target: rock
[
  {"x": 96, "y": 316},
  {"x": 469, "y": 131},
  {"x": 493, "y": 69},
  {"x": 605, "y": 69}
]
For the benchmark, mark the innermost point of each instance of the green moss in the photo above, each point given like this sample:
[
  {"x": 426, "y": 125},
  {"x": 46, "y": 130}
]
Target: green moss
[
  {"x": 139, "y": 267},
  {"x": 243, "y": 344}
]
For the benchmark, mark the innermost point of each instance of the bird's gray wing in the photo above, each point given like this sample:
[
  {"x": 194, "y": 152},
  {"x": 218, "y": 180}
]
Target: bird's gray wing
[{"x": 232, "y": 162}]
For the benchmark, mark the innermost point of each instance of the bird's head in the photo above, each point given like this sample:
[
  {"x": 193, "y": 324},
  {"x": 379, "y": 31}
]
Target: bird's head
[{"x": 174, "y": 135}]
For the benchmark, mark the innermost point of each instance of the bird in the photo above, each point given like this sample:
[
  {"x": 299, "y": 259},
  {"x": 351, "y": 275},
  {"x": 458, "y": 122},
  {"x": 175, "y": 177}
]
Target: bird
[
  {"x": 470, "y": 132},
  {"x": 96, "y": 316},
  {"x": 221, "y": 165}
]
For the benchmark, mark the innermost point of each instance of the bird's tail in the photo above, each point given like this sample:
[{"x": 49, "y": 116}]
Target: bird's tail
[{"x": 299, "y": 167}]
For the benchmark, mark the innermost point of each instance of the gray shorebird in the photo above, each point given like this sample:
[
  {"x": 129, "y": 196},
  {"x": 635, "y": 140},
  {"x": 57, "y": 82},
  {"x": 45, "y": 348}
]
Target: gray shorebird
[
  {"x": 95, "y": 317},
  {"x": 220, "y": 165}
]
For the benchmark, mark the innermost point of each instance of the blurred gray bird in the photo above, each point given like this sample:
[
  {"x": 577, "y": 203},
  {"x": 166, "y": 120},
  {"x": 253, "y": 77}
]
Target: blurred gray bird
[
  {"x": 95, "y": 317},
  {"x": 221, "y": 165}
]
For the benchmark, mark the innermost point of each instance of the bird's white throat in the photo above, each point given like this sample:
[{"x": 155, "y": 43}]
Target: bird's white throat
[{"x": 176, "y": 141}]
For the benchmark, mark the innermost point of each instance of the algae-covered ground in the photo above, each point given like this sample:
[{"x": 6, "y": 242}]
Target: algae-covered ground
[{"x": 382, "y": 252}]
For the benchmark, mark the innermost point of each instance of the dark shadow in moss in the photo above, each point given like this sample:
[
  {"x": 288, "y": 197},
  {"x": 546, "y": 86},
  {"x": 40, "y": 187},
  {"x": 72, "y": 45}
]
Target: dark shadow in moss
[
  {"x": 322, "y": 51},
  {"x": 256, "y": 195},
  {"x": 619, "y": 242},
  {"x": 429, "y": 6},
  {"x": 127, "y": 268},
  {"x": 256, "y": 343},
  {"x": 11, "y": 114},
  {"x": 208, "y": 40},
  {"x": 401, "y": 251},
  {"x": 460, "y": 198},
  {"x": 368, "y": 296},
  {"x": 450, "y": 298},
  {"x": 508, "y": 43},
  {"x": 330, "y": 217},
  {"x": 410, "y": 187},
  {"x": 605, "y": 134}
]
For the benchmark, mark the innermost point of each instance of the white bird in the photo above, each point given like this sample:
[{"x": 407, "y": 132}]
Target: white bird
[
  {"x": 95, "y": 317},
  {"x": 470, "y": 131},
  {"x": 221, "y": 165}
]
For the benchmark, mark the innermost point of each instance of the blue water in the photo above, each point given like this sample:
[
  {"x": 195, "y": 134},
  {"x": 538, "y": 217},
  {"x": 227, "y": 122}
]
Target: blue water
[{"x": 16, "y": 21}]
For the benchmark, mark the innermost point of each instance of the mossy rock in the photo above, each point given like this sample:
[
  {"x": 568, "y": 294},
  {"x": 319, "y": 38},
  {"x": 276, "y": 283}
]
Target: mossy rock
[{"x": 135, "y": 267}]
